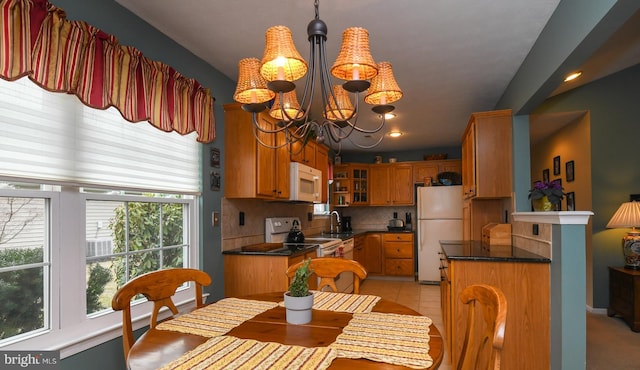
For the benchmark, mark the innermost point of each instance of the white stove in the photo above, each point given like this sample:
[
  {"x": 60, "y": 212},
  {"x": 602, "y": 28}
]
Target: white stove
[{"x": 277, "y": 229}]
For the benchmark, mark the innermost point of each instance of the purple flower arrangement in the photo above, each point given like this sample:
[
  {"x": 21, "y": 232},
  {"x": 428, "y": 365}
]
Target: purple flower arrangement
[{"x": 551, "y": 189}]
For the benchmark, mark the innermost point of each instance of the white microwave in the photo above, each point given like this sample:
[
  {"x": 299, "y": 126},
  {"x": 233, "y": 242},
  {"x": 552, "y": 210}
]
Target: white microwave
[{"x": 305, "y": 184}]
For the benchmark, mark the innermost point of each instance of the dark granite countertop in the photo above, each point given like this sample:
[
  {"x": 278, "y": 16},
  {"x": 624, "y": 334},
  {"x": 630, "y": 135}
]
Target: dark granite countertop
[
  {"x": 477, "y": 251},
  {"x": 272, "y": 249},
  {"x": 351, "y": 234}
]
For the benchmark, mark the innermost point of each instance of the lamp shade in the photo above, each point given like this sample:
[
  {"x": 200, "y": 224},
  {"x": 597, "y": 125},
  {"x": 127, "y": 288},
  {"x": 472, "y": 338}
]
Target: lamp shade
[
  {"x": 251, "y": 87},
  {"x": 290, "y": 105},
  {"x": 281, "y": 60},
  {"x": 384, "y": 88},
  {"x": 341, "y": 111},
  {"x": 628, "y": 215},
  {"x": 354, "y": 61}
]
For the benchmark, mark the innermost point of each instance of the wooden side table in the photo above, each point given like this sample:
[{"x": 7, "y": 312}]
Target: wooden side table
[{"x": 624, "y": 295}]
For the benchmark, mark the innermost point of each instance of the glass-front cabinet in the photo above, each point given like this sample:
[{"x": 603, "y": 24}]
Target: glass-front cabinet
[
  {"x": 360, "y": 178},
  {"x": 350, "y": 185}
]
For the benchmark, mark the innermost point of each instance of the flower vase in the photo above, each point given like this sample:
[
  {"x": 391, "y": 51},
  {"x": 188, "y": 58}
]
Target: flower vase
[{"x": 542, "y": 204}]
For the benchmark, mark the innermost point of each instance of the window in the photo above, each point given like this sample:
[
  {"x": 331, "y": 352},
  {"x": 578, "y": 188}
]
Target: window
[
  {"x": 24, "y": 266},
  {"x": 76, "y": 185},
  {"x": 130, "y": 238}
]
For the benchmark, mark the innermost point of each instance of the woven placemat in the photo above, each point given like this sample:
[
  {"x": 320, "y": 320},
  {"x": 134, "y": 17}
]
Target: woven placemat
[
  {"x": 385, "y": 337},
  {"x": 217, "y": 318},
  {"x": 342, "y": 302},
  {"x": 232, "y": 353}
]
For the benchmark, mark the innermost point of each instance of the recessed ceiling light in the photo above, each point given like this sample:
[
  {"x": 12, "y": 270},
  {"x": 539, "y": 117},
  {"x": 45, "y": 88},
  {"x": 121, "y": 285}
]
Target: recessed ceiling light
[
  {"x": 573, "y": 76},
  {"x": 389, "y": 115},
  {"x": 395, "y": 133}
]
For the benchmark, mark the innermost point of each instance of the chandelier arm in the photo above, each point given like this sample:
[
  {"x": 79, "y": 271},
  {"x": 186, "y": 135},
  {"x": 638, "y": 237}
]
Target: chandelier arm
[
  {"x": 280, "y": 128},
  {"x": 366, "y": 146},
  {"x": 255, "y": 129},
  {"x": 372, "y": 131}
]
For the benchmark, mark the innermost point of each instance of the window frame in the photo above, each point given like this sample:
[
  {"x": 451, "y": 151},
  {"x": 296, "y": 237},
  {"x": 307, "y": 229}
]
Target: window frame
[{"x": 71, "y": 330}]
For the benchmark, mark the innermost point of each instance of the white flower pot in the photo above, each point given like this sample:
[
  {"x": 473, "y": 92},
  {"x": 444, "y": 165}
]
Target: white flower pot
[{"x": 298, "y": 309}]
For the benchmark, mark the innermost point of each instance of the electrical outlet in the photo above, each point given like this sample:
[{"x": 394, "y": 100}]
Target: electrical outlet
[
  {"x": 536, "y": 230},
  {"x": 241, "y": 219},
  {"x": 215, "y": 219},
  {"x": 309, "y": 216}
]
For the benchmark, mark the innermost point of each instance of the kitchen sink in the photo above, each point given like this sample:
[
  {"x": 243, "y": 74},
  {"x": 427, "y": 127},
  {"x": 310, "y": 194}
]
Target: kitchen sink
[{"x": 342, "y": 235}]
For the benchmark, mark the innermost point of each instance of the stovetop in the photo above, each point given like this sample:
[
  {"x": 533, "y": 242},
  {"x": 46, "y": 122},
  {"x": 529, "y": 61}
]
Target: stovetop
[{"x": 275, "y": 249}]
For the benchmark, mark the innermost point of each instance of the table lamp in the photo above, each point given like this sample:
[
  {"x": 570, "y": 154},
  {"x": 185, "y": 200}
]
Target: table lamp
[{"x": 628, "y": 215}]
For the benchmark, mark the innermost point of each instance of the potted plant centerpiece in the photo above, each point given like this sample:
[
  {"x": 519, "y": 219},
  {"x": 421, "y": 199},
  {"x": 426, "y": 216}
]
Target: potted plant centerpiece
[
  {"x": 298, "y": 301},
  {"x": 546, "y": 196}
]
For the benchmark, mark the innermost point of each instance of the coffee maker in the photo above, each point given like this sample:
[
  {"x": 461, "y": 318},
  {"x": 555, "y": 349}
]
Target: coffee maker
[{"x": 346, "y": 224}]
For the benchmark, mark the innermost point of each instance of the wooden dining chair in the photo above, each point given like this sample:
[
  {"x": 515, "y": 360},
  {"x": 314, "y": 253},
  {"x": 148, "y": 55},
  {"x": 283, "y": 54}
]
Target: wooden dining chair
[
  {"x": 158, "y": 286},
  {"x": 328, "y": 268},
  {"x": 481, "y": 350}
]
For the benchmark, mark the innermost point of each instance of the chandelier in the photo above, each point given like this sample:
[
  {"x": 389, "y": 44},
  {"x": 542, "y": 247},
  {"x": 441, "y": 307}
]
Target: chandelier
[{"x": 270, "y": 82}]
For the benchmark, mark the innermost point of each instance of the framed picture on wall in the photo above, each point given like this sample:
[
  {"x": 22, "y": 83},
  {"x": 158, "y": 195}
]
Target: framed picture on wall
[
  {"x": 569, "y": 171},
  {"x": 215, "y": 158},
  {"x": 571, "y": 201},
  {"x": 545, "y": 175},
  {"x": 556, "y": 166}
]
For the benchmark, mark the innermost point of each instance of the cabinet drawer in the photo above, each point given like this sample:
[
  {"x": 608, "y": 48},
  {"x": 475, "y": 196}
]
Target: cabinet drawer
[
  {"x": 398, "y": 266},
  {"x": 398, "y": 250},
  {"x": 399, "y": 237}
]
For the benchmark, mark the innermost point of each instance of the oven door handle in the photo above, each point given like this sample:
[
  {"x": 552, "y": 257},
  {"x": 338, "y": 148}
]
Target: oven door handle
[{"x": 330, "y": 250}]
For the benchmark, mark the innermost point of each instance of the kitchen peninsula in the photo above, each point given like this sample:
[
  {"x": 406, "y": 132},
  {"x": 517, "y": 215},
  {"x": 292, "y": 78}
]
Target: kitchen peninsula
[{"x": 524, "y": 278}]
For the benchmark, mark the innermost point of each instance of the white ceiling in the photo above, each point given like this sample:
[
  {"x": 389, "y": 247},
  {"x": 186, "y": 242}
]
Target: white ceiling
[{"x": 451, "y": 58}]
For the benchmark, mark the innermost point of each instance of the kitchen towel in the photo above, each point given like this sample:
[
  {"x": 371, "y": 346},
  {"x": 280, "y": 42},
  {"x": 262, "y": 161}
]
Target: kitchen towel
[
  {"x": 230, "y": 353},
  {"x": 386, "y": 337},
  {"x": 217, "y": 318}
]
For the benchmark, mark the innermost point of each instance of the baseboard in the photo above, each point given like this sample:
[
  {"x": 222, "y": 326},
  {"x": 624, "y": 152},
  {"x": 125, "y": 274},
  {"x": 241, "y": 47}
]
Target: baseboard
[{"x": 599, "y": 311}]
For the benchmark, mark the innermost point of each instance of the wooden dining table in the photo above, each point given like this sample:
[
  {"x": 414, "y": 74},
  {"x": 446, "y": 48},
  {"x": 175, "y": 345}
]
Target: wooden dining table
[{"x": 156, "y": 348}]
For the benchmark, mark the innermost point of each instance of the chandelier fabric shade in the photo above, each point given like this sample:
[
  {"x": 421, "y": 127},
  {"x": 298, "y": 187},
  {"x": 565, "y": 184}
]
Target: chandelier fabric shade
[
  {"x": 289, "y": 104},
  {"x": 251, "y": 87},
  {"x": 354, "y": 61},
  {"x": 343, "y": 109},
  {"x": 384, "y": 89},
  {"x": 281, "y": 60}
]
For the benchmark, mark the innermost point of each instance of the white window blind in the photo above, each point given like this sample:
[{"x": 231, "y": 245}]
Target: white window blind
[{"x": 54, "y": 137}]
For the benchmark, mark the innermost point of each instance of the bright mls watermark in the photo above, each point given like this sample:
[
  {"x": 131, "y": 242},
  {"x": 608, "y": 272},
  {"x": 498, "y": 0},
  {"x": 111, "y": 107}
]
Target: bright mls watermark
[{"x": 11, "y": 360}]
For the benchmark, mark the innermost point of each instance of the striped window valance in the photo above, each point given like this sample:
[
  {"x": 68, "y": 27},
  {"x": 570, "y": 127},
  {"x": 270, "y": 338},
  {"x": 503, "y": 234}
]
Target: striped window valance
[{"x": 74, "y": 57}]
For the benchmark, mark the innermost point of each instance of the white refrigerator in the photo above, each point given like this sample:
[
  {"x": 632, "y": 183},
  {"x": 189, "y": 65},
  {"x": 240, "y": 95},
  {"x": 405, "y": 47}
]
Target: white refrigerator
[{"x": 439, "y": 211}]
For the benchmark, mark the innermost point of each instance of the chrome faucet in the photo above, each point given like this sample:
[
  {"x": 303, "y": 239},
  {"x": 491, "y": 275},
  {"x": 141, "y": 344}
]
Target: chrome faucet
[{"x": 337, "y": 221}]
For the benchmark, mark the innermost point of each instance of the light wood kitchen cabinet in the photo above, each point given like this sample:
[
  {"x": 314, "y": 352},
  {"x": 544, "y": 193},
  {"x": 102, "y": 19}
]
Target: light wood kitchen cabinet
[
  {"x": 350, "y": 185},
  {"x": 431, "y": 169},
  {"x": 526, "y": 287},
  {"x": 313, "y": 155},
  {"x": 487, "y": 155},
  {"x": 322, "y": 164},
  {"x": 391, "y": 184},
  {"x": 304, "y": 154},
  {"x": 255, "y": 274},
  {"x": 371, "y": 256},
  {"x": 476, "y": 213},
  {"x": 251, "y": 169},
  {"x": 398, "y": 254}
]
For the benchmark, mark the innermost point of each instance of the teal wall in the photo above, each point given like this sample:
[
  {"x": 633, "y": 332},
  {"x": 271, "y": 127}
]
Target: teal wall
[
  {"x": 131, "y": 30},
  {"x": 614, "y": 110}
]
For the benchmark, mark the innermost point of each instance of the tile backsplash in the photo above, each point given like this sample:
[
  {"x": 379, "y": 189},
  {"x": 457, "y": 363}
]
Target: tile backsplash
[
  {"x": 255, "y": 211},
  {"x": 523, "y": 237}
]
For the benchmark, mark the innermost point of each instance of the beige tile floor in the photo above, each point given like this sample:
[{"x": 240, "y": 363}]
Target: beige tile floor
[{"x": 422, "y": 298}]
